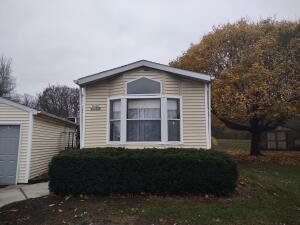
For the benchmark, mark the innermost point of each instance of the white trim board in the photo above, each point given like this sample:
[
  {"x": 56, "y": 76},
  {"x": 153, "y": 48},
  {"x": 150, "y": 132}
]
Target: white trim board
[
  {"x": 82, "y": 117},
  {"x": 209, "y": 114},
  {"x": 139, "y": 64},
  {"x": 29, "y": 148}
]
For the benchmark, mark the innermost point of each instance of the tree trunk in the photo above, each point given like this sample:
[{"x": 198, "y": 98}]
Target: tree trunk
[{"x": 255, "y": 144}]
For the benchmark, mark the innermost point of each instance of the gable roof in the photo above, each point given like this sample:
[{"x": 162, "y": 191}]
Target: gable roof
[
  {"x": 142, "y": 63},
  {"x": 33, "y": 111}
]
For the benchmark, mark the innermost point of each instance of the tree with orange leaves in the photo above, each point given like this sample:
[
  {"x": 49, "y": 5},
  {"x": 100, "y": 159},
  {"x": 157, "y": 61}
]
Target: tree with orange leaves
[{"x": 257, "y": 73}]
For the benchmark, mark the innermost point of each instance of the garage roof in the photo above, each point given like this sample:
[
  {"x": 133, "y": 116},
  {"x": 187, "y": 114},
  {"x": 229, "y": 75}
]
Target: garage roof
[
  {"x": 34, "y": 111},
  {"x": 142, "y": 63}
]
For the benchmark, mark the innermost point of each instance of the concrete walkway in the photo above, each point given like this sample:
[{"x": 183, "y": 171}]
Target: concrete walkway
[{"x": 16, "y": 193}]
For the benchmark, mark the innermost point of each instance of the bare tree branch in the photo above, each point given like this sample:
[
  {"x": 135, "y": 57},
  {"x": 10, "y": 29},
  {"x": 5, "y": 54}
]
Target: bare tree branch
[{"x": 7, "y": 82}]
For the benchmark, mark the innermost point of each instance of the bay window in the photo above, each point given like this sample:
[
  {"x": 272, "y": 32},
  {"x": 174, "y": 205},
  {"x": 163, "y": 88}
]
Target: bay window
[{"x": 145, "y": 119}]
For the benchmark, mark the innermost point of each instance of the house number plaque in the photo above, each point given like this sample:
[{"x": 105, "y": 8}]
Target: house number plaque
[{"x": 95, "y": 107}]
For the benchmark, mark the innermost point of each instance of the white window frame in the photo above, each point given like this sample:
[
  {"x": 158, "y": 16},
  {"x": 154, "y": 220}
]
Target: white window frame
[{"x": 164, "y": 120}]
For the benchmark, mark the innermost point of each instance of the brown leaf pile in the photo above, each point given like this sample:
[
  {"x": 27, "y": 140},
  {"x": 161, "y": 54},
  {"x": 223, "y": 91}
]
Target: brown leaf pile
[{"x": 278, "y": 157}]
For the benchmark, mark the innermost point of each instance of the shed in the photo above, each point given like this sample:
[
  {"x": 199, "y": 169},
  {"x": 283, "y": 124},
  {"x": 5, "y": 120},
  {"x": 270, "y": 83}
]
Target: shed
[
  {"x": 28, "y": 140},
  {"x": 284, "y": 137}
]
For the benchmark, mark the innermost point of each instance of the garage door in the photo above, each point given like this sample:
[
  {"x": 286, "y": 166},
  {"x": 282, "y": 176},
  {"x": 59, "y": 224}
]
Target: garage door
[{"x": 9, "y": 145}]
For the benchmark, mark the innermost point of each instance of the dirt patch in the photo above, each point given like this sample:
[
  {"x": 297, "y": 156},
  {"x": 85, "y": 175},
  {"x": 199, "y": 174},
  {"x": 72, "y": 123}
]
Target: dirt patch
[
  {"x": 85, "y": 210},
  {"x": 72, "y": 210},
  {"x": 39, "y": 179}
]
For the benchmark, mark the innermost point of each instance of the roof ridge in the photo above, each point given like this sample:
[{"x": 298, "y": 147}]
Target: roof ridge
[{"x": 141, "y": 63}]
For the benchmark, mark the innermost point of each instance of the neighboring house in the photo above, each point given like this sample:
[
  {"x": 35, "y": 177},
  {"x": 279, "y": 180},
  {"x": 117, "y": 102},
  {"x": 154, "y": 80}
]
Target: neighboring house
[
  {"x": 28, "y": 140},
  {"x": 145, "y": 104},
  {"x": 285, "y": 137}
]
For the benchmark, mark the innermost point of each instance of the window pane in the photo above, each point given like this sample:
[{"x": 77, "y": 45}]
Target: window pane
[
  {"x": 115, "y": 109},
  {"x": 115, "y": 130},
  {"x": 143, "y": 86},
  {"x": 281, "y": 136},
  {"x": 143, "y": 109},
  {"x": 173, "y": 109},
  {"x": 174, "y": 130},
  {"x": 271, "y": 136},
  {"x": 271, "y": 145},
  {"x": 281, "y": 145},
  {"x": 143, "y": 130}
]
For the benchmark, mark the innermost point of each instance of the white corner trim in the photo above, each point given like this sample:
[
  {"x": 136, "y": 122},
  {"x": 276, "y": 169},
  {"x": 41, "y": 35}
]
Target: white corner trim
[
  {"x": 181, "y": 119},
  {"x": 209, "y": 113},
  {"x": 206, "y": 95},
  {"x": 29, "y": 148},
  {"x": 108, "y": 121},
  {"x": 19, "y": 152},
  {"x": 82, "y": 116}
]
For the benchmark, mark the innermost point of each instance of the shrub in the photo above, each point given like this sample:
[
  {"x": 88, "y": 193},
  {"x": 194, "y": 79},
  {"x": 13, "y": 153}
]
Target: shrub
[{"x": 157, "y": 171}]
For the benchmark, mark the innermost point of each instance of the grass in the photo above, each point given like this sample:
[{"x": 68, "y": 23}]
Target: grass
[
  {"x": 267, "y": 193},
  {"x": 232, "y": 144}
]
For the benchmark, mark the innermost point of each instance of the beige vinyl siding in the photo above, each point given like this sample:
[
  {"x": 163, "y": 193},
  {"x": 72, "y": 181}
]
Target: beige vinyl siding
[
  {"x": 13, "y": 115},
  {"x": 95, "y": 121},
  {"x": 47, "y": 140},
  {"x": 193, "y": 100},
  {"x": 194, "y": 109}
]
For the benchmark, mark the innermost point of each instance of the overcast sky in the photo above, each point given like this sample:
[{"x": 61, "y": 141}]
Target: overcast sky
[{"x": 57, "y": 41}]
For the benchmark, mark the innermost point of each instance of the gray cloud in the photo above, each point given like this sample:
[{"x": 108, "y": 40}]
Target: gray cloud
[{"x": 58, "y": 41}]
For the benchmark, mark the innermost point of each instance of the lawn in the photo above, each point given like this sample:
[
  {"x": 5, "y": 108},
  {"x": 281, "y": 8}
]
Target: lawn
[
  {"x": 267, "y": 194},
  {"x": 232, "y": 144}
]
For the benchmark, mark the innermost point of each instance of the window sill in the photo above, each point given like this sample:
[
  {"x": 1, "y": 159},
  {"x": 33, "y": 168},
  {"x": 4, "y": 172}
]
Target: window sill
[{"x": 145, "y": 143}]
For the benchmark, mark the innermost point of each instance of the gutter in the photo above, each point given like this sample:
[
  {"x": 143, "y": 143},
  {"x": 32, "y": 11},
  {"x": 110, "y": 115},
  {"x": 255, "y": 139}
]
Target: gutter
[{"x": 55, "y": 117}]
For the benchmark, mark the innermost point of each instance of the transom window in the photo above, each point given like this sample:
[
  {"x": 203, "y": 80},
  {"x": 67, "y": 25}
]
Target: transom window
[
  {"x": 143, "y": 86},
  {"x": 145, "y": 119}
]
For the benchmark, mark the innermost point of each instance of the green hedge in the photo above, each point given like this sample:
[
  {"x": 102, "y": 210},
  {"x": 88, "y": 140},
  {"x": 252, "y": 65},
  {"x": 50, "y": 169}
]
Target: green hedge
[{"x": 157, "y": 171}]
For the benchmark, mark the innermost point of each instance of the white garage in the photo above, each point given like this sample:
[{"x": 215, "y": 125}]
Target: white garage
[{"x": 28, "y": 140}]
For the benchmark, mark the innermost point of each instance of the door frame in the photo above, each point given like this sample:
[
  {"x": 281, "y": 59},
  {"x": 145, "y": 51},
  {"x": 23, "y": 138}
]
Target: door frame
[{"x": 19, "y": 144}]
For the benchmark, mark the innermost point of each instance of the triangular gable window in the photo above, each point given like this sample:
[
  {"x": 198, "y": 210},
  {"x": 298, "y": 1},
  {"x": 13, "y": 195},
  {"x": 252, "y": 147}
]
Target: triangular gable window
[{"x": 143, "y": 86}]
